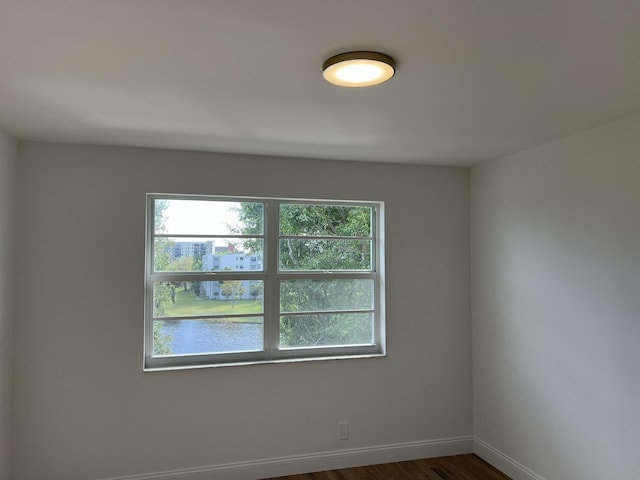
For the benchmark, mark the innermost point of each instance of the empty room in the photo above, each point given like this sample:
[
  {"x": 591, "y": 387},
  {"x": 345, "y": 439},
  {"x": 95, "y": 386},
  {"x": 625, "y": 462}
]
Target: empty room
[{"x": 252, "y": 239}]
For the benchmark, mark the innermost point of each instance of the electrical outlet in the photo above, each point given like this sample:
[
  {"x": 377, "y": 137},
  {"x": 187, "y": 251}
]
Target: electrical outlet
[{"x": 343, "y": 430}]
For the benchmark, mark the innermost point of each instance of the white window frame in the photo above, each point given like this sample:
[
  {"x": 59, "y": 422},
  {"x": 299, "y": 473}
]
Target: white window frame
[{"x": 271, "y": 277}]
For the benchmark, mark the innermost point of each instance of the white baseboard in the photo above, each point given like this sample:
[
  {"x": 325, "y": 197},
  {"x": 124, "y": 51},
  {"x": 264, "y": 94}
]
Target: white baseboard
[
  {"x": 313, "y": 462},
  {"x": 502, "y": 462}
]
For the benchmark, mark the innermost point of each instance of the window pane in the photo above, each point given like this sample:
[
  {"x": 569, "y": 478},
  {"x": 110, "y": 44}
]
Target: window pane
[
  {"x": 207, "y": 217},
  {"x": 311, "y": 254},
  {"x": 319, "y": 295},
  {"x": 325, "y": 220},
  {"x": 183, "y": 337},
  {"x": 206, "y": 276},
  {"x": 197, "y": 255},
  {"x": 190, "y": 299},
  {"x": 326, "y": 330}
]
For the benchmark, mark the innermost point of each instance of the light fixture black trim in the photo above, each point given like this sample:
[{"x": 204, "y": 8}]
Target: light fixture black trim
[
  {"x": 363, "y": 55},
  {"x": 348, "y": 61}
]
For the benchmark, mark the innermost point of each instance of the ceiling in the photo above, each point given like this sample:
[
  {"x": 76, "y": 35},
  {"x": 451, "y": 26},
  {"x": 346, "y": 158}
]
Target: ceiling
[{"x": 476, "y": 79}]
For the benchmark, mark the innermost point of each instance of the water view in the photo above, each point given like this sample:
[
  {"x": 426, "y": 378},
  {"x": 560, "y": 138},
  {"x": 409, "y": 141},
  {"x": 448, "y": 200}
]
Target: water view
[{"x": 202, "y": 336}]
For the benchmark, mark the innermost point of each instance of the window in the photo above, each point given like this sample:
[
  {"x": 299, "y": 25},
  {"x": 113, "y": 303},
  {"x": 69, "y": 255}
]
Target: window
[{"x": 314, "y": 289}]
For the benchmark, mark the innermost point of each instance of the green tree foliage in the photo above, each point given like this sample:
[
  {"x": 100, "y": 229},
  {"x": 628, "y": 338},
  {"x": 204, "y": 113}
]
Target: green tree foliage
[
  {"x": 181, "y": 264},
  {"x": 298, "y": 296},
  {"x": 161, "y": 341},
  {"x": 164, "y": 292},
  {"x": 256, "y": 290},
  {"x": 307, "y": 252},
  {"x": 325, "y": 329},
  {"x": 233, "y": 289},
  {"x": 251, "y": 217},
  {"x": 197, "y": 288},
  {"x": 310, "y": 253}
]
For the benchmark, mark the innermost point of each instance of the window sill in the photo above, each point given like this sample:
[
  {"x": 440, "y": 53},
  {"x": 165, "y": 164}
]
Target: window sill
[{"x": 262, "y": 362}]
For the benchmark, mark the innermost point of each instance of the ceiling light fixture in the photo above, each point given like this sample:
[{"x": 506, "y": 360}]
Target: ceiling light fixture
[{"x": 358, "y": 69}]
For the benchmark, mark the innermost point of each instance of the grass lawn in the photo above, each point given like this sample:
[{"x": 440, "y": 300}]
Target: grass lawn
[{"x": 188, "y": 305}]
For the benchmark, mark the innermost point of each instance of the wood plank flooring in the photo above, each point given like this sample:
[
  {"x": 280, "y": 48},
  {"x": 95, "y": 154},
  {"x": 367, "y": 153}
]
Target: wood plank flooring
[{"x": 457, "y": 467}]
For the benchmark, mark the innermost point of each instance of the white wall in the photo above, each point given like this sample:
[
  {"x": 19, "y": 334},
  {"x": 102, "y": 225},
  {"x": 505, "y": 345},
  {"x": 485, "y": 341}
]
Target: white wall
[
  {"x": 8, "y": 157},
  {"x": 556, "y": 307},
  {"x": 84, "y": 408}
]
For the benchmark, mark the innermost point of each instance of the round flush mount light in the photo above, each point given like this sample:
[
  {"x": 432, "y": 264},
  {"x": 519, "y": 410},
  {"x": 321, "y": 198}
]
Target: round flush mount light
[{"x": 358, "y": 69}]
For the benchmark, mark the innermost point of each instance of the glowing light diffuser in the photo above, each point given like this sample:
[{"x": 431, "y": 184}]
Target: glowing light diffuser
[{"x": 358, "y": 69}]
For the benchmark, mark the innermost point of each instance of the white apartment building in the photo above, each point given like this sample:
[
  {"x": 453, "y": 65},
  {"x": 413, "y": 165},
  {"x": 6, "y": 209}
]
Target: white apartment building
[
  {"x": 226, "y": 258},
  {"x": 191, "y": 249}
]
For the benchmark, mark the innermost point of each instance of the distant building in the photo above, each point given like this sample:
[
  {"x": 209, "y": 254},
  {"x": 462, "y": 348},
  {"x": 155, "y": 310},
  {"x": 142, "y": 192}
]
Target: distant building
[
  {"x": 225, "y": 249},
  {"x": 219, "y": 258},
  {"x": 228, "y": 258},
  {"x": 195, "y": 250}
]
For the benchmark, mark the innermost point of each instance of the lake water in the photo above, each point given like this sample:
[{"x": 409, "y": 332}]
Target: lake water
[{"x": 202, "y": 336}]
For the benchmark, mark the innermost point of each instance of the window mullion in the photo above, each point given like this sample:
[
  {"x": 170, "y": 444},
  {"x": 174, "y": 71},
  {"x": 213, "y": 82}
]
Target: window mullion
[
  {"x": 322, "y": 237},
  {"x": 148, "y": 294},
  {"x": 206, "y": 276},
  {"x": 319, "y": 274},
  {"x": 377, "y": 228},
  {"x": 271, "y": 287},
  {"x": 329, "y": 312}
]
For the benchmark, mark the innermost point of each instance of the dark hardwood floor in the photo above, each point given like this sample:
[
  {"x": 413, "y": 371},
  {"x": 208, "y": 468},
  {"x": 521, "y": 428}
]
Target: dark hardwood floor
[{"x": 457, "y": 467}]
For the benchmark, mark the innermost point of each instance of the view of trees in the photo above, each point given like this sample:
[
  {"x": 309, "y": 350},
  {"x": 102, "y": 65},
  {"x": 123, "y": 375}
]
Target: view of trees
[
  {"x": 163, "y": 293},
  {"x": 256, "y": 290},
  {"x": 317, "y": 238},
  {"x": 233, "y": 289},
  {"x": 321, "y": 221},
  {"x": 300, "y": 251}
]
